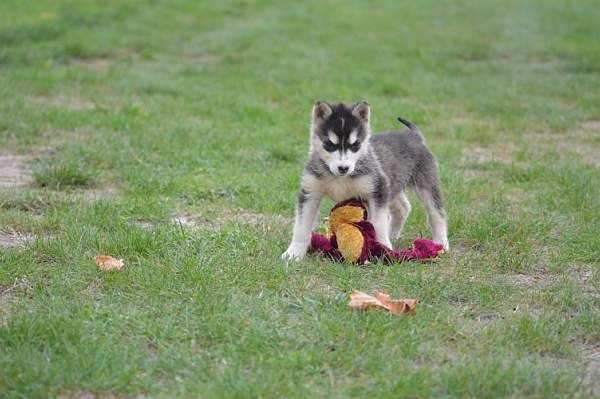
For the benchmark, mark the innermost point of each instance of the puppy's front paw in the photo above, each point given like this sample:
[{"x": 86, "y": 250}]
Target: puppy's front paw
[{"x": 294, "y": 252}]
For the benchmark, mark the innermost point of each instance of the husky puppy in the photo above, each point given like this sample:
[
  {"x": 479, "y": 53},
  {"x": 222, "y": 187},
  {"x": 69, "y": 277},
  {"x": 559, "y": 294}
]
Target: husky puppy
[{"x": 346, "y": 160}]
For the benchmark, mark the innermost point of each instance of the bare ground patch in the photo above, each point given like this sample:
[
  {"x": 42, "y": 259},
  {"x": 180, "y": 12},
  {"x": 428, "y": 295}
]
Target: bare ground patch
[
  {"x": 8, "y": 296},
  {"x": 471, "y": 174},
  {"x": 83, "y": 394},
  {"x": 540, "y": 278},
  {"x": 225, "y": 216},
  {"x": 518, "y": 63},
  {"x": 519, "y": 200},
  {"x": 94, "y": 287},
  {"x": 99, "y": 193},
  {"x": 94, "y": 64},
  {"x": 587, "y": 153},
  {"x": 519, "y": 196},
  {"x": 583, "y": 275},
  {"x": 591, "y": 358},
  {"x": 495, "y": 153},
  {"x": 15, "y": 239},
  {"x": 461, "y": 246},
  {"x": 69, "y": 102},
  {"x": 219, "y": 218},
  {"x": 317, "y": 285},
  {"x": 591, "y": 126},
  {"x": 580, "y": 141},
  {"x": 14, "y": 171},
  {"x": 475, "y": 156}
]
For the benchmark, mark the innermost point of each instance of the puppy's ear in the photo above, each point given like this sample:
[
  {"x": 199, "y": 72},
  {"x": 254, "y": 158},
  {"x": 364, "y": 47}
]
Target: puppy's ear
[
  {"x": 362, "y": 110},
  {"x": 321, "y": 111}
]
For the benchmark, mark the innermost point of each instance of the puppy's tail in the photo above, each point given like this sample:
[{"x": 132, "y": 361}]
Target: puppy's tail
[{"x": 412, "y": 128}]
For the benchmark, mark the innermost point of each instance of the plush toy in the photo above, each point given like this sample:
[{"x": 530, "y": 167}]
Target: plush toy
[{"x": 351, "y": 237}]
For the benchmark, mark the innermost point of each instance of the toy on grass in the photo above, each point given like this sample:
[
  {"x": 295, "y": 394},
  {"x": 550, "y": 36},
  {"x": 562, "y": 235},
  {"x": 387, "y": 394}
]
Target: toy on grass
[{"x": 351, "y": 237}]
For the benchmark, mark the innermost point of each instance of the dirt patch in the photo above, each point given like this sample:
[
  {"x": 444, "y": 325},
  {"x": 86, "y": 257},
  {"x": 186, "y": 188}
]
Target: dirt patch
[
  {"x": 251, "y": 155},
  {"x": 588, "y": 154},
  {"x": 542, "y": 64},
  {"x": 475, "y": 156},
  {"x": 95, "y": 64},
  {"x": 240, "y": 216},
  {"x": 518, "y": 196},
  {"x": 542, "y": 278},
  {"x": 94, "y": 287},
  {"x": 253, "y": 218},
  {"x": 519, "y": 200},
  {"x": 143, "y": 224},
  {"x": 13, "y": 171},
  {"x": 8, "y": 296},
  {"x": 591, "y": 126},
  {"x": 525, "y": 64},
  {"x": 189, "y": 221},
  {"x": 316, "y": 285},
  {"x": 15, "y": 239},
  {"x": 583, "y": 276},
  {"x": 81, "y": 394},
  {"x": 539, "y": 279},
  {"x": 481, "y": 155},
  {"x": 99, "y": 193},
  {"x": 73, "y": 103},
  {"x": 220, "y": 218},
  {"x": 473, "y": 174},
  {"x": 591, "y": 378},
  {"x": 575, "y": 141}
]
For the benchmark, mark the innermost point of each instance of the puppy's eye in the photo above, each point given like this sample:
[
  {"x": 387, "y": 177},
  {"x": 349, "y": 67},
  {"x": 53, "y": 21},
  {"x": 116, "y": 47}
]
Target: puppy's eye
[
  {"x": 355, "y": 146},
  {"x": 329, "y": 146}
]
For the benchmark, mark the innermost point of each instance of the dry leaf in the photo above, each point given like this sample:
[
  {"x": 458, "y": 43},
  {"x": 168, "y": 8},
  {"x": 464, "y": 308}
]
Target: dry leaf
[
  {"x": 397, "y": 306},
  {"x": 106, "y": 262},
  {"x": 362, "y": 301}
]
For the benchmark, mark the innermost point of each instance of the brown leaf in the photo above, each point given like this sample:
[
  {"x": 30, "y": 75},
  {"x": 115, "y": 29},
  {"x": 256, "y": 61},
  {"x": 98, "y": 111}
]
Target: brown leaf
[
  {"x": 106, "y": 262},
  {"x": 362, "y": 301},
  {"x": 397, "y": 306}
]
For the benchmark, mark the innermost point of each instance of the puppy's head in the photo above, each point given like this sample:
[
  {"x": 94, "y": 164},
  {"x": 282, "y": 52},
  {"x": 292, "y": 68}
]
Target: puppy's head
[{"x": 340, "y": 133}]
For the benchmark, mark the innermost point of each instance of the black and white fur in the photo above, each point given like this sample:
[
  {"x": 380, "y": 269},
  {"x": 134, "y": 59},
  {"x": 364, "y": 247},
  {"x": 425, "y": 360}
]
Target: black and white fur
[{"x": 346, "y": 160}]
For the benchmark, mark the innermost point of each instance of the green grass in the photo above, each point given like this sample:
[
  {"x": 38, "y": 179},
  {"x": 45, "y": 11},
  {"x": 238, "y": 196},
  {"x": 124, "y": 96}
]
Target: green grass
[{"x": 133, "y": 112}]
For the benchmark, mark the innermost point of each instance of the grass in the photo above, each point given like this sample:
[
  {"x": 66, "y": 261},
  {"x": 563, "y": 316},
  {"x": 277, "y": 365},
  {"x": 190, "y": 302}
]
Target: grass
[{"x": 133, "y": 113}]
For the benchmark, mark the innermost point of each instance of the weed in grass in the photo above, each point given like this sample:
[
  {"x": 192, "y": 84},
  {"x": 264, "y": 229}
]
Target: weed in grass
[{"x": 64, "y": 175}]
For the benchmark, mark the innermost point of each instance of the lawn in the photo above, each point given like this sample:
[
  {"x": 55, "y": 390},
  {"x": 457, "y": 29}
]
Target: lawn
[{"x": 172, "y": 134}]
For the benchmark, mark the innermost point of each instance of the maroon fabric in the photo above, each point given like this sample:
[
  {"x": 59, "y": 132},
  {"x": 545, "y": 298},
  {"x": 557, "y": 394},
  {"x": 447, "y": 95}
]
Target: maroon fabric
[
  {"x": 324, "y": 245},
  {"x": 422, "y": 249}
]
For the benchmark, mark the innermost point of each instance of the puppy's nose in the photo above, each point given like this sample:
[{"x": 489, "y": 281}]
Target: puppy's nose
[{"x": 343, "y": 169}]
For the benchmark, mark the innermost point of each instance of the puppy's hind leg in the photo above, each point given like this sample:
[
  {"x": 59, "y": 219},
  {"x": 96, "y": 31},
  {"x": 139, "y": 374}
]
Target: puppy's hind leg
[
  {"x": 431, "y": 197},
  {"x": 379, "y": 212},
  {"x": 380, "y": 217},
  {"x": 400, "y": 209}
]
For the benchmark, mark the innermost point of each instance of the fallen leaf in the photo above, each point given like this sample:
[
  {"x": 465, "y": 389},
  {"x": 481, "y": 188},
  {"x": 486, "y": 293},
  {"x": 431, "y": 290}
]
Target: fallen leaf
[
  {"x": 362, "y": 301},
  {"x": 106, "y": 262},
  {"x": 397, "y": 306}
]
